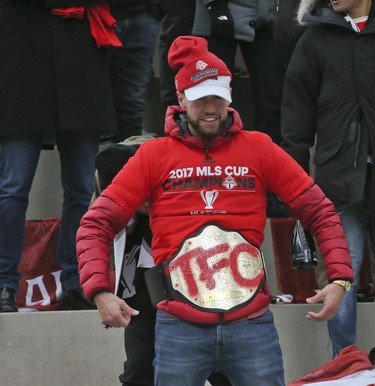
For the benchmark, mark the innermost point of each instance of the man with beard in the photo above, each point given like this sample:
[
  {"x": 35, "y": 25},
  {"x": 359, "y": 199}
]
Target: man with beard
[{"x": 209, "y": 282}]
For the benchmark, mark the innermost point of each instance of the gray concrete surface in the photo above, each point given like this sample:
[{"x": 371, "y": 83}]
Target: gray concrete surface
[
  {"x": 45, "y": 198},
  {"x": 72, "y": 348}
]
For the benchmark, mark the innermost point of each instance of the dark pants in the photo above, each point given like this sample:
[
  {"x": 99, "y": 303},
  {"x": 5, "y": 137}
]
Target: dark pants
[
  {"x": 266, "y": 78},
  {"x": 139, "y": 341},
  {"x": 177, "y": 21},
  {"x": 131, "y": 71},
  {"x": 19, "y": 156}
]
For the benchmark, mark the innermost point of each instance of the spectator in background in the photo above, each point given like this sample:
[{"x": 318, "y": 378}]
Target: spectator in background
[
  {"x": 54, "y": 82},
  {"x": 178, "y": 20},
  {"x": 328, "y": 100},
  {"x": 131, "y": 64}
]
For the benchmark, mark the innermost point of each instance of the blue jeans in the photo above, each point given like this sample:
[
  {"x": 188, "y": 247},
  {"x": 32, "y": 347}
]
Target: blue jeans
[
  {"x": 355, "y": 221},
  {"x": 248, "y": 352},
  {"x": 19, "y": 156},
  {"x": 131, "y": 70}
]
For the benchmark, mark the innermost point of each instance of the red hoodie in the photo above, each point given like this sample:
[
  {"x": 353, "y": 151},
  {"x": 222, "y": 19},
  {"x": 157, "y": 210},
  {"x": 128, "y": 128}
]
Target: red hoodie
[{"x": 175, "y": 172}]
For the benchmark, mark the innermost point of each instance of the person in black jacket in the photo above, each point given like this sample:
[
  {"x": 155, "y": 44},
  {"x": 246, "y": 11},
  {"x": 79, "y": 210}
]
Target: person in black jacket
[
  {"x": 54, "y": 82},
  {"x": 328, "y": 98}
]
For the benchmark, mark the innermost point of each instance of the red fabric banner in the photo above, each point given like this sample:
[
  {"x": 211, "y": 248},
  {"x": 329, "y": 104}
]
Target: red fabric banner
[{"x": 40, "y": 286}]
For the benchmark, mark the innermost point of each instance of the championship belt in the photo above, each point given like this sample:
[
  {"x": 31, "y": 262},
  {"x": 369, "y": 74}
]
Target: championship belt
[{"x": 216, "y": 270}]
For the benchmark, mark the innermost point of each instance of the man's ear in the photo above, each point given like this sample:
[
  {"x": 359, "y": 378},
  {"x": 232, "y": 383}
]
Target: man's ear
[{"x": 180, "y": 98}]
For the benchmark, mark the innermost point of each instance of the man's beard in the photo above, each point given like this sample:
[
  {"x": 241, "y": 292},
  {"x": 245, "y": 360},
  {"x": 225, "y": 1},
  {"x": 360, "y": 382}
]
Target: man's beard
[{"x": 202, "y": 134}]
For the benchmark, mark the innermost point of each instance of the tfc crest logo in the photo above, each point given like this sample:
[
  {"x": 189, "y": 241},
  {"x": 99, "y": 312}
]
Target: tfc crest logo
[
  {"x": 200, "y": 65},
  {"x": 229, "y": 182}
]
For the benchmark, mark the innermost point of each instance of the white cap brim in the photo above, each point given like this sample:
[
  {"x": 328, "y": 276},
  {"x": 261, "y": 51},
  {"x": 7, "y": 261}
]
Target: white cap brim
[{"x": 219, "y": 86}]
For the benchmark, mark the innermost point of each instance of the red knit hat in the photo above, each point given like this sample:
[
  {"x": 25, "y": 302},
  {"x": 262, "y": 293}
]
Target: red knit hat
[{"x": 200, "y": 72}]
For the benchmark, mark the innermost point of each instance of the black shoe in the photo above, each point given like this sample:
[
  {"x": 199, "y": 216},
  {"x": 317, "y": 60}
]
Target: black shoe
[
  {"x": 8, "y": 300},
  {"x": 75, "y": 299}
]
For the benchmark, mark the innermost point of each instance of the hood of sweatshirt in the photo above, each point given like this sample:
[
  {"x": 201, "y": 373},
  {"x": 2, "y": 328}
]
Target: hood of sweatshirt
[{"x": 176, "y": 126}]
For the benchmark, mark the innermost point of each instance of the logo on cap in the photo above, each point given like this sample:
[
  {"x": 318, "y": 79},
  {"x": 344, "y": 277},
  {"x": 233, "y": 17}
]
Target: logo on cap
[{"x": 200, "y": 65}]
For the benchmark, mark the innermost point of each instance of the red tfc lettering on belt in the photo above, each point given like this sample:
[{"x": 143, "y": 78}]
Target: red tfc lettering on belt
[{"x": 206, "y": 275}]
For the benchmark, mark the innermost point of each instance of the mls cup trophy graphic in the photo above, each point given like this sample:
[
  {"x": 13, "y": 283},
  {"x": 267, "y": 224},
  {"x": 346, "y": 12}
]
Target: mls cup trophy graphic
[{"x": 209, "y": 197}]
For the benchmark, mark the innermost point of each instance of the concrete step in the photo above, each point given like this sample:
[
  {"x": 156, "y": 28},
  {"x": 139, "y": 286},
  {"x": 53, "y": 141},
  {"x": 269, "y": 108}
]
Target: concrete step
[{"x": 73, "y": 348}]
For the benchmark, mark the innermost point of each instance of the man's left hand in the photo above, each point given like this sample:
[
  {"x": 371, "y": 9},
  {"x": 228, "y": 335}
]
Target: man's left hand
[
  {"x": 331, "y": 296},
  {"x": 114, "y": 311}
]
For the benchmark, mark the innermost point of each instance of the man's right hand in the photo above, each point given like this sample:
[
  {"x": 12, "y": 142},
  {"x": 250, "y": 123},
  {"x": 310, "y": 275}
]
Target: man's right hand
[{"x": 113, "y": 311}]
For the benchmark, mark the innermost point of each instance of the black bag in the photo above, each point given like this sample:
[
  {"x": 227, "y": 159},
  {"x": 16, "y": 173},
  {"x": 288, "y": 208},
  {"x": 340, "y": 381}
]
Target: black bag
[{"x": 303, "y": 248}]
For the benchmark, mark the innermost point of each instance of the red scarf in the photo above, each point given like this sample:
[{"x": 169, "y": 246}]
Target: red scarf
[
  {"x": 361, "y": 24},
  {"x": 102, "y": 24}
]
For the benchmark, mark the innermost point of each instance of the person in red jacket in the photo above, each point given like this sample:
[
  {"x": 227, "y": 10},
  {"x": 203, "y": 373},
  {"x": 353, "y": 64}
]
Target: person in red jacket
[{"x": 206, "y": 183}]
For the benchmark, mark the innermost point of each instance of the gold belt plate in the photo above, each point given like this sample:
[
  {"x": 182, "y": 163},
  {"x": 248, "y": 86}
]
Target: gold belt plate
[{"x": 217, "y": 269}]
